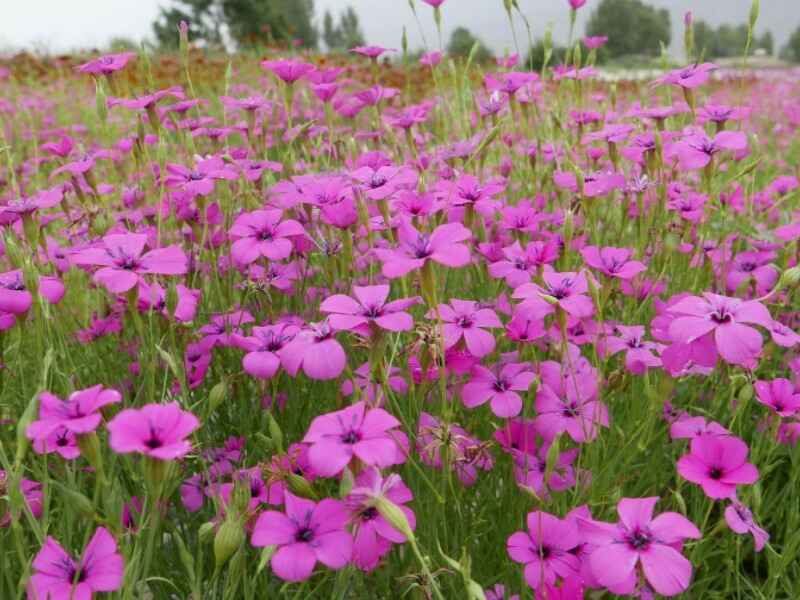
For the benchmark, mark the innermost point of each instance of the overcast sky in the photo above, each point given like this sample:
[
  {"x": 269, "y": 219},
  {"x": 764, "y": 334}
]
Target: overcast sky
[{"x": 60, "y": 25}]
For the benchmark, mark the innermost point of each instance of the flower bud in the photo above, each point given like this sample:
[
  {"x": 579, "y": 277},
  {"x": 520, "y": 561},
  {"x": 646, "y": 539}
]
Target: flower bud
[
  {"x": 300, "y": 486},
  {"x": 229, "y": 538},
  {"x": 101, "y": 100},
  {"x": 346, "y": 483},
  {"x": 394, "y": 516},
  {"x": 205, "y": 532},
  {"x": 217, "y": 395},
  {"x": 275, "y": 433},
  {"x": 755, "y": 8}
]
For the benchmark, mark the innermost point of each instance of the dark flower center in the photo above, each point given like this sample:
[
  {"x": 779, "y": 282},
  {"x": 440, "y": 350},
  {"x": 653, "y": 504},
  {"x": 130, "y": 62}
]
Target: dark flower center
[
  {"x": 369, "y": 514},
  {"x": 304, "y": 534},
  {"x": 747, "y": 267},
  {"x": 373, "y": 311},
  {"x": 545, "y": 552},
  {"x": 377, "y": 181},
  {"x": 465, "y": 321},
  {"x": 265, "y": 235},
  {"x": 715, "y": 473},
  {"x": 639, "y": 540},
  {"x": 195, "y": 176},
  {"x": 351, "y": 437},
  {"x": 501, "y": 385},
  {"x": 421, "y": 249},
  {"x": 721, "y": 315}
]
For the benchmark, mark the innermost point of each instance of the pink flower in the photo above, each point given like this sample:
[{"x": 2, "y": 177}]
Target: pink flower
[
  {"x": 105, "y": 65},
  {"x": 307, "y": 533},
  {"x": 369, "y": 307},
  {"x": 123, "y": 263},
  {"x": 498, "y": 387},
  {"x": 463, "y": 319},
  {"x": 156, "y": 430},
  {"x": 58, "y": 575},
  {"x": 568, "y": 290},
  {"x": 15, "y": 298},
  {"x": 594, "y": 42},
  {"x": 568, "y": 402},
  {"x": 697, "y": 318},
  {"x": 466, "y": 453},
  {"x": 288, "y": 70},
  {"x": 434, "y": 3},
  {"x": 576, "y": 4},
  {"x": 689, "y": 77},
  {"x": 79, "y": 413},
  {"x": 200, "y": 180},
  {"x": 696, "y": 151},
  {"x": 371, "y": 52},
  {"x": 519, "y": 264},
  {"x": 639, "y": 538},
  {"x": 545, "y": 549},
  {"x": 263, "y": 348},
  {"x": 640, "y": 355},
  {"x": 443, "y": 246},
  {"x": 338, "y": 436},
  {"x": 740, "y": 520},
  {"x": 613, "y": 262},
  {"x": 752, "y": 268},
  {"x": 316, "y": 350},
  {"x": 373, "y": 534},
  {"x": 718, "y": 464},
  {"x": 779, "y": 395},
  {"x": 263, "y": 233},
  {"x": 686, "y": 427},
  {"x": 431, "y": 59}
]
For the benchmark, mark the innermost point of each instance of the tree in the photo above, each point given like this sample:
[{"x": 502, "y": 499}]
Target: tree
[
  {"x": 791, "y": 51},
  {"x": 461, "y": 42},
  {"x": 727, "y": 41},
  {"x": 246, "y": 22},
  {"x": 347, "y": 34},
  {"x": 632, "y": 27}
]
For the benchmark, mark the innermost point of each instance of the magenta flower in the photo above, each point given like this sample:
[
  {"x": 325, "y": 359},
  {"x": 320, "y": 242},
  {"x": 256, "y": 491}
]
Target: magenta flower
[
  {"x": 779, "y": 395},
  {"x": 263, "y": 346},
  {"x": 545, "y": 549},
  {"x": 696, "y": 151},
  {"x": 316, "y": 351},
  {"x": 373, "y": 534},
  {"x": 123, "y": 263},
  {"x": 200, "y": 180},
  {"x": 640, "y": 355},
  {"x": 740, "y": 519},
  {"x": 519, "y": 264},
  {"x": 15, "y": 298},
  {"x": 576, "y": 4},
  {"x": 718, "y": 464},
  {"x": 307, "y": 533},
  {"x": 24, "y": 206},
  {"x": 79, "y": 413},
  {"x": 755, "y": 268},
  {"x": 463, "y": 319},
  {"x": 639, "y": 538},
  {"x": 595, "y": 42},
  {"x": 567, "y": 402},
  {"x": 568, "y": 290},
  {"x": 467, "y": 453},
  {"x": 443, "y": 246},
  {"x": 689, "y": 77},
  {"x": 434, "y": 3},
  {"x": 338, "y": 436},
  {"x": 698, "y": 318},
  {"x": 368, "y": 307},
  {"x": 56, "y": 575},
  {"x": 613, "y": 262},
  {"x": 371, "y": 52},
  {"x": 288, "y": 70},
  {"x": 686, "y": 427},
  {"x": 499, "y": 387},
  {"x": 156, "y": 430},
  {"x": 263, "y": 233},
  {"x": 105, "y": 65}
]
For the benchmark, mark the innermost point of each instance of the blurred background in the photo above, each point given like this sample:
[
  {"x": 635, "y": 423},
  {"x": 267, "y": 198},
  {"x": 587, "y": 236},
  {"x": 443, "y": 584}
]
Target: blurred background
[{"x": 636, "y": 28}]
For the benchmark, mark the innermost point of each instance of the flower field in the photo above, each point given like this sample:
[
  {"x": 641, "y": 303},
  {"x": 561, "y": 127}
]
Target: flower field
[{"x": 294, "y": 326}]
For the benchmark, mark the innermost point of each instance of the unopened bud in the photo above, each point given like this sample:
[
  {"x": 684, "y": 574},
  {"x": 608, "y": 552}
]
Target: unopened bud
[
  {"x": 228, "y": 540},
  {"x": 217, "y": 395},
  {"x": 101, "y": 100},
  {"x": 205, "y": 532},
  {"x": 275, "y": 432},
  {"x": 300, "y": 486},
  {"x": 394, "y": 516},
  {"x": 755, "y": 8}
]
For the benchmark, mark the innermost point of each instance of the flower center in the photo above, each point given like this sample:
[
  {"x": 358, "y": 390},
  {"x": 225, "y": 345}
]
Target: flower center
[
  {"x": 351, "y": 437},
  {"x": 639, "y": 540},
  {"x": 715, "y": 473},
  {"x": 304, "y": 534},
  {"x": 464, "y": 321},
  {"x": 721, "y": 315}
]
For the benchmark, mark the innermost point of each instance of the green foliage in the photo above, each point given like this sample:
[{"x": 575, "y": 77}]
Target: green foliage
[
  {"x": 632, "y": 27},
  {"x": 247, "y": 22},
  {"x": 536, "y": 54},
  {"x": 791, "y": 51},
  {"x": 461, "y": 42},
  {"x": 347, "y": 34},
  {"x": 727, "y": 41}
]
